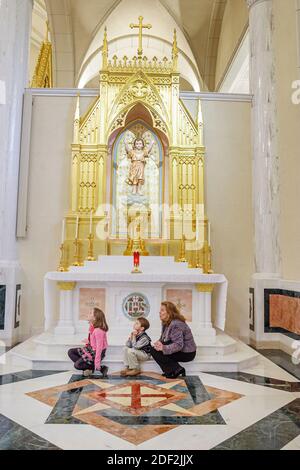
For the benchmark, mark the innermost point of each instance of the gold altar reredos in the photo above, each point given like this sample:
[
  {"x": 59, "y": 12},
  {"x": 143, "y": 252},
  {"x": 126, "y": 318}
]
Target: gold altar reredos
[{"x": 140, "y": 92}]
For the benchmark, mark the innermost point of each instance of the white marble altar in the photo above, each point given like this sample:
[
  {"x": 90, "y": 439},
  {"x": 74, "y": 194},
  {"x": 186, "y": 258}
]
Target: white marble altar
[
  {"x": 110, "y": 281},
  {"x": 113, "y": 275}
]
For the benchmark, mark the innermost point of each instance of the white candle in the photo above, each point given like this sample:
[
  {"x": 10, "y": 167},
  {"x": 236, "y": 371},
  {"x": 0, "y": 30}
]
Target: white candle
[
  {"x": 91, "y": 222},
  {"x": 63, "y": 231},
  {"x": 77, "y": 227}
]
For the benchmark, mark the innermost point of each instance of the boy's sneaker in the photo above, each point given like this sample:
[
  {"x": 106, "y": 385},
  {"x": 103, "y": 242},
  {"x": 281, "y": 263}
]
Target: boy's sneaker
[
  {"x": 87, "y": 372},
  {"x": 133, "y": 372},
  {"x": 123, "y": 372},
  {"x": 104, "y": 371}
]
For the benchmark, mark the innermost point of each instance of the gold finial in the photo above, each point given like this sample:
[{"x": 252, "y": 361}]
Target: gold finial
[
  {"x": 200, "y": 124},
  {"x": 76, "y": 137},
  {"x": 105, "y": 50},
  {"x": 175, "y": 51},
  {"x": 140, "y": 26}
]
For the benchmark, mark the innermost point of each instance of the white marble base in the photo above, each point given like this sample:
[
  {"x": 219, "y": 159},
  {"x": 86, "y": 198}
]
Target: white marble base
[
  {"x": 260, "y": 338},
  {"x": 49, "y": 352},
  {"x": 10, "y": 276}
]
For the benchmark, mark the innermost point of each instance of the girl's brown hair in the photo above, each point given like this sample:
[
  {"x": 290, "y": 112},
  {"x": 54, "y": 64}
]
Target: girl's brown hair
[
  {"x": 99, "y": 320},
  {"x": 172, "y": 312}
]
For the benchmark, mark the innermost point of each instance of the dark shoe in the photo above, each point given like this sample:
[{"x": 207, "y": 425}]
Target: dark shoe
[
  {"x": 104, "y": 371},
  {"x": 174, "y": 375}
]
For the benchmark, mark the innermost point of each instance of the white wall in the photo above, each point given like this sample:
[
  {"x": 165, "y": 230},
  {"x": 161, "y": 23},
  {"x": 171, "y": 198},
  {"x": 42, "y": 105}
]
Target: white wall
[
  {"x": 237, "y": 79},
  {"x": 286, "y": 57},
  {"x": 228, "y": 189},
  {"x": 234, "y": 24},
  {"x": 48, "y": 200}
]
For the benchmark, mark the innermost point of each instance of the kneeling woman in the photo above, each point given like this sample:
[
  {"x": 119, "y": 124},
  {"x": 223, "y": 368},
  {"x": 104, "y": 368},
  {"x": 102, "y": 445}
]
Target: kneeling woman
[{"x": 176, "y": 343}]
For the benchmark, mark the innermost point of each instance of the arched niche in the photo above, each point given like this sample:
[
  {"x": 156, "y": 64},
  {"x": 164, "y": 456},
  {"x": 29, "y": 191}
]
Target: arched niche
[{"x": 138, "y": 124}]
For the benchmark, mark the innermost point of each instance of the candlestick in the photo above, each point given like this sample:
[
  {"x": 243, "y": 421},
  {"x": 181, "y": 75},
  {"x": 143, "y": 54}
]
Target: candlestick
[
  {"x": 77, "y": 227},
  {"x": 91, "y": 248},
  {"x": 182, "y": 258},
  {"x": 62, "y": 266},
  {"x": 91, "y": 222},
  {"x": 76, "y": 254},
  {"x": 198, "y": 262},
  {"x": 63, "y": 231}
]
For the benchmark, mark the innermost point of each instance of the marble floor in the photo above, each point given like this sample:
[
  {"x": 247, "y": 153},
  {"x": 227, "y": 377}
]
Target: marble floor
[{"x": 258, "y": 408}]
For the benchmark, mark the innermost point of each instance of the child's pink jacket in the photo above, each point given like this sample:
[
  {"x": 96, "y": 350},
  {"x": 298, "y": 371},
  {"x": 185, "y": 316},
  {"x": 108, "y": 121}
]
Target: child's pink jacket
[
  {"x": 91, "y": 329},
  {"x": 98, "y": 342}
]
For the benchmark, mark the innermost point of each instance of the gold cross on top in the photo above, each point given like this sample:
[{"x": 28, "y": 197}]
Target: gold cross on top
[{"x": 141, "y": 26}]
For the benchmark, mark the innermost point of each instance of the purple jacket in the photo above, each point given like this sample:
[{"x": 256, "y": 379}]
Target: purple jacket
[{"x": 179, "y": 336}]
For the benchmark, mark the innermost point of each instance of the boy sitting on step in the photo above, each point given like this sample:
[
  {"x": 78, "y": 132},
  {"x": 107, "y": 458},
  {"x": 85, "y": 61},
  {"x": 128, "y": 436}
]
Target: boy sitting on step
[{"x": 137, "y": 348}]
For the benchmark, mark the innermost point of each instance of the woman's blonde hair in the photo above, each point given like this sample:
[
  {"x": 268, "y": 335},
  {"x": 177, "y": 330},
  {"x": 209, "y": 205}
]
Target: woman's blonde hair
[
  {"x": 99, "y": 320},
  {"x": 172, "y": 312}
]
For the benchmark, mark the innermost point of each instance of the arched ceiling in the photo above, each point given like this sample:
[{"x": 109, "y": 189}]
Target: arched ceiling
[{"x": 74, "y": 23}]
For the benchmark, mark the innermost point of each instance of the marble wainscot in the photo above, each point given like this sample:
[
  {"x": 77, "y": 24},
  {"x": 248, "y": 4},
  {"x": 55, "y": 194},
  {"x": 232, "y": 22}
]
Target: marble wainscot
[
  {"x": 276, "y": 314},
  {"x": 109, "y": 284}
]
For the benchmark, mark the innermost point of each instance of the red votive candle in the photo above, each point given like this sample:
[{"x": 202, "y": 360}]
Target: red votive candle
[{"x": 136, "y": 258}]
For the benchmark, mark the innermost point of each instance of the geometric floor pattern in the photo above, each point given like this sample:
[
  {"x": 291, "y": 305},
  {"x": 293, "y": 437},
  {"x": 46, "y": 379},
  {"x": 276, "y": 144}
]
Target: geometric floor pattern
[
  {"x": 257, "y": 408},
  {"x": 135, "y": 410}
]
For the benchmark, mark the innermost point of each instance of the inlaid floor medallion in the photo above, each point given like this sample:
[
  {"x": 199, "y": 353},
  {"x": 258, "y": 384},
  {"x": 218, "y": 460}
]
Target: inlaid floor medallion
[{"x": 135, "y": 409}]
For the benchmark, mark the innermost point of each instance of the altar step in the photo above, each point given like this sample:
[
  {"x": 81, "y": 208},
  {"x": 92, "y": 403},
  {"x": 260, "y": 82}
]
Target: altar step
[{"x": 47, "y": 352}]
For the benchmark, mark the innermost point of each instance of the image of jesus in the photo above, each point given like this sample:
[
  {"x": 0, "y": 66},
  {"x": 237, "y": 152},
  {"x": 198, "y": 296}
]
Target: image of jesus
[{"x": 138, "y": 155}]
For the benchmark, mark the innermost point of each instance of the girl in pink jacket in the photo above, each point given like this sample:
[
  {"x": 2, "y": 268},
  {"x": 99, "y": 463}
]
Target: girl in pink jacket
[{"x": 90, "y": 356}]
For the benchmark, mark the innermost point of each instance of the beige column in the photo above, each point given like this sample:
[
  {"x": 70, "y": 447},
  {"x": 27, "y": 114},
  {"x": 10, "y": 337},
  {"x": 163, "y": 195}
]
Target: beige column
[{"x": 15, "y": 28}]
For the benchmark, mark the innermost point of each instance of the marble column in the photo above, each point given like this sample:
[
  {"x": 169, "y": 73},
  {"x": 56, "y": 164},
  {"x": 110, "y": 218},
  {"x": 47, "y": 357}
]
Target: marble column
[
  {"x": 15, "y": 28},
  {"x": 66, "y": 321},
  {"x": 264, "y": 139},
  {"x": 202, "y": 327}
]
